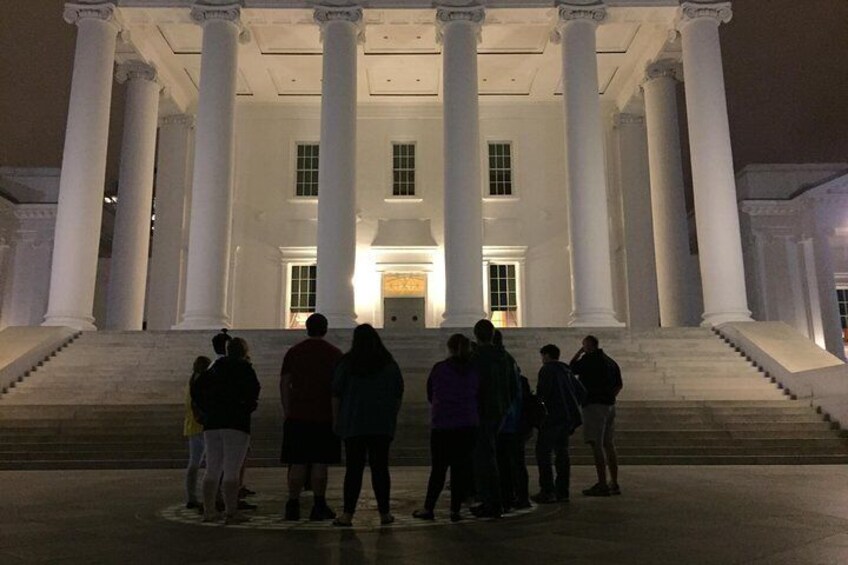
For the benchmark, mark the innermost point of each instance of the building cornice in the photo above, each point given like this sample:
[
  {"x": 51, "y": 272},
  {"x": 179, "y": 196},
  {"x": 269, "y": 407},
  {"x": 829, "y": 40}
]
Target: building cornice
[
  {"x": 770, "y": 207},
  {"x": 35, "y": 211}
]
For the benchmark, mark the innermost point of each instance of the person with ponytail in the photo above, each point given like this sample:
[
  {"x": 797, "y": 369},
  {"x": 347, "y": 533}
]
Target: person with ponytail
[{"x": 452, "y": 390}]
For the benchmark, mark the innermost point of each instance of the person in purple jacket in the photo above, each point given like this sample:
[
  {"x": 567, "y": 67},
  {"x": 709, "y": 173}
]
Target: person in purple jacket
[{"x": 452, "y": 389}]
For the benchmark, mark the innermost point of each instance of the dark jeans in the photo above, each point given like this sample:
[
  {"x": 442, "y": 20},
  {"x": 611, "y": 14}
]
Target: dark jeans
[
  {"x": 450, "y": 448},
  {"x": 486, "y": 465},
  {"x": 553, "y": 439},
  {"x": 376, "y": 450},
  {"x": 513, "y": 469}
]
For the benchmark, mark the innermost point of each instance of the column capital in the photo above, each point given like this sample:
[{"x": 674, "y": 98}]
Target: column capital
[
  {"x": 184, "y": 120},
  {"x": 203, "y": 13},
  {"x": 135, "y": 70},
  {"x": 323, "y": 15},
  {"x": 75, "y": 12},
  {"x": 663, "y": 68},
  {"x": 719, "y": 12},
  {"x": 473, "y": 15},
  {"x": 567, "y": 12}
]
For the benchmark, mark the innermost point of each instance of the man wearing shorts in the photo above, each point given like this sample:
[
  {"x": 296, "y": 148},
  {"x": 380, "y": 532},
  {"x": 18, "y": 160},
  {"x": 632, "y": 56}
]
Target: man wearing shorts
[
  {"x": 601, "y": 377},
  {"x": 309, "y": 443}
]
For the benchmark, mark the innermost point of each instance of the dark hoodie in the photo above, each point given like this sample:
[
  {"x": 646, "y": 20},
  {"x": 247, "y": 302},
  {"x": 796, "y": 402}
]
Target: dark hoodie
[
  {"x": 227, "y": 394},
  {"x": 498, "y": 385}
]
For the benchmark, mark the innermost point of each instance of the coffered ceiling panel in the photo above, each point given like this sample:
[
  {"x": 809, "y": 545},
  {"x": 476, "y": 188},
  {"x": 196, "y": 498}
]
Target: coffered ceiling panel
[
  {"x": 406, "y": 75},
  {"x": 606, "y": 72},
  {"x": 616, "y": 37},
  {"x": 182, "y": 38},
  {"x": 296, "y": 76},
  {"x": 506, "y": 74},
  {"x": 242, "y": 87},
  {"x": 514, "y": 38},
  {"x": 286, "y": 39},
  {"x": 400, "y": 38}
]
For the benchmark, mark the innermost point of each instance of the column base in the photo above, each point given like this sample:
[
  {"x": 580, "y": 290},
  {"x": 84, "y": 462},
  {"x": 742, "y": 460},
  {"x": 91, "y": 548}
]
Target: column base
[
  {"x": 202, "y": 322},
  {"x": 715, "y": 319},
  {"x": 465, "y": 320},
  {"x": 594, "y": 319},
  {"x": 82, "y": 323}
]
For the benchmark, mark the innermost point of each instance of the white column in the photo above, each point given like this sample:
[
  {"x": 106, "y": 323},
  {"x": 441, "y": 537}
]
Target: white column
[
  {"x": 341, "y": 29},
  {"x": 80, "y": 210},
  {"x": 588, "y": 220},
  {"x": 167, "y": 259},
  {"x": 826, "y": 214},
  {"x": 642, "y": 306},
  {"x": 459, "y": 33},
  {"x": 668, "y": 204},
  {"x": 209, "y": 234},
  {"x": 131, "y": 240},
  {"x": 716, "y": 214}
]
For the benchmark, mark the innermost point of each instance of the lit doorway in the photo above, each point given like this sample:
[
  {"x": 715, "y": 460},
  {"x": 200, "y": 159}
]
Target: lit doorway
[{"x": 404, "y": 300}]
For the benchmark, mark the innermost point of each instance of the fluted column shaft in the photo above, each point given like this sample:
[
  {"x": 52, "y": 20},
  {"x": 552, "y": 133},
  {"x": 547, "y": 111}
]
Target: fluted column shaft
[
  {"x": 340, "y": 30},
  {"x": 714, "y": 185},
  {"x": 668, "y": 205},
  {"x": 131, "y": 240},
  {"x": 591, "y": 272},
  {"x": 211, "y": 211},
  {"x": 463, "y": 209},
  {"x": 80, "y": 210}
]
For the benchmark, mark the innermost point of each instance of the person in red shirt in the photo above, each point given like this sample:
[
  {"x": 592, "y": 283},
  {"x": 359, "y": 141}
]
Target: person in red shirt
[{"x": 309, "y": 443}]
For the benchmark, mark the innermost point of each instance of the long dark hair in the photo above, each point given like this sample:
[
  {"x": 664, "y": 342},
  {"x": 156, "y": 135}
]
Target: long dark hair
[
  {"x": 460, "y": 348},
  {"x": 367, "y": 353}
]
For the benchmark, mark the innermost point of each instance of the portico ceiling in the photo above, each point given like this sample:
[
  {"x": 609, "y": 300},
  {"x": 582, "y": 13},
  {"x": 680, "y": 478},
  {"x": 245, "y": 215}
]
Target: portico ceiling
[{"x": 400, "y": 58}]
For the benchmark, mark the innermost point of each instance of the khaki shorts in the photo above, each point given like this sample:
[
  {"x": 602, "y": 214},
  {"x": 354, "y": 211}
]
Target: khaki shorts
[{"x": 598, "y": 424}]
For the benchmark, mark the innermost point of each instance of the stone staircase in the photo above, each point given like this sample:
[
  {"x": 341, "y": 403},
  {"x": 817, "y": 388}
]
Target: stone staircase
[{"x": 114, "y": 400}]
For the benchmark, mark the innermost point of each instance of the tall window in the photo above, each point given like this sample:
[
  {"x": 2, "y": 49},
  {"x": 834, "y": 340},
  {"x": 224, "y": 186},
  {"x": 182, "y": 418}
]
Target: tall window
[
  {"x": 842, "y": 299},
  {"x": 403, "y": 169},
  {"x": 306, "y": 183},
  {"x": 302, "y": 294},
  {"x": 500, "y": 169},
  {"x": 503, "y": 297}
]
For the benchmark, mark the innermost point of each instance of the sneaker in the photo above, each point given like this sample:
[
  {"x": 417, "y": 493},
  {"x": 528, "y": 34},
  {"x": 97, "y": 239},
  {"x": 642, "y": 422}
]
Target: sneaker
[
  {"x": 614, "y": 489},
  {"x": 386, "y": 519},
  {"x": 597, "y": 489},
  {"x": 292, "y": 513},
  {"x": 544, "y": 498},
  {"x": 245, "y": 505},
  {"x": 424, "y": 515},
  {"x": 320, "y": 512},
  {"x": 244, "y": 492}
]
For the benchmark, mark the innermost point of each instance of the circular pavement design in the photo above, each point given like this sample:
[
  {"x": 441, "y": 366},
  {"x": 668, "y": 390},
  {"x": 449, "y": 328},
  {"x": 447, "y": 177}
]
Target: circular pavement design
[{"x": 268, "y": 515}]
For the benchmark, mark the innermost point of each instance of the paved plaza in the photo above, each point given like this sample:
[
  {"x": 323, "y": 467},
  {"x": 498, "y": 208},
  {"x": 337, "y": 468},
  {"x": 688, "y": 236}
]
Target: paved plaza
[{"x": 723, "y": 515}]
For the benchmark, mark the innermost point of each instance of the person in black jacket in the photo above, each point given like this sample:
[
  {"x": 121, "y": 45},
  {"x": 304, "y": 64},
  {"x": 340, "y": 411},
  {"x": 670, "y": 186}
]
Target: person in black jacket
[
  {"x": 602, "y": 378},
  {"x": 226, "y": 395},
  {"x": 562, "y": 394}
]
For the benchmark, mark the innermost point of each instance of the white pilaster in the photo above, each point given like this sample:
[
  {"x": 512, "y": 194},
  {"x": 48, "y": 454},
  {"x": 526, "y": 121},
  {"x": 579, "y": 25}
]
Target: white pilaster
[
  {"x": 167, "y": 259},
  {"x": 719, "y": 241},
  {"x": 211, "y": 211},
  {"x": 671, "y": 230},
  {"x": 80, "y": 209},
  {"x": 341, "y": 28},
  {"x": 591, "y": 280},
  {"x": 131, "y": 241},
  {"x": 642, "y": 306},
  {"x": 459, "y": 32}
]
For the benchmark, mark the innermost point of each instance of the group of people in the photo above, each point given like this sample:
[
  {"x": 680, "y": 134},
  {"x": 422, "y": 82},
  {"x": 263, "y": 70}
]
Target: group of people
[{"x": 482, "y": 413}]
